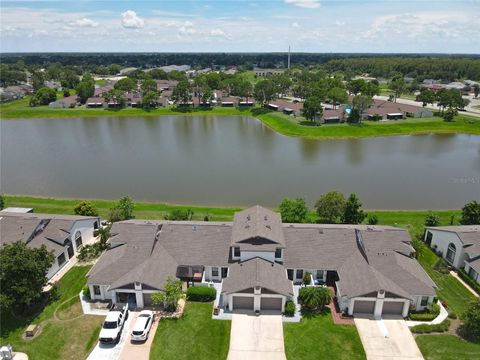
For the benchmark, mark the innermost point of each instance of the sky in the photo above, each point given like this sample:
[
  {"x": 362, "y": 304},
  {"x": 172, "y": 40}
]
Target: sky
[{"x": 366, "y": 26}]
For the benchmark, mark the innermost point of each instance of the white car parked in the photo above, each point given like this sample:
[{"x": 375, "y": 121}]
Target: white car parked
[
  {"x": 113, "y": 325},
  {"x": 142, "y": 326}
]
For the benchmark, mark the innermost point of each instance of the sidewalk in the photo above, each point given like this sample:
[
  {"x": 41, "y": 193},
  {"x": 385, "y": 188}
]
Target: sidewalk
[
  {"x": 455, "y": 275},
  {"x": 442, "y": 316}
]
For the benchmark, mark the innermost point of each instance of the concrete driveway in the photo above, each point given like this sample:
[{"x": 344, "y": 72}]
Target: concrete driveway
[
  {"x": 112, "y": 352},
  {"x": 139, "y": 350},
  {"x": 256, "y": 338},
  {"x": 387, "y": 338}
]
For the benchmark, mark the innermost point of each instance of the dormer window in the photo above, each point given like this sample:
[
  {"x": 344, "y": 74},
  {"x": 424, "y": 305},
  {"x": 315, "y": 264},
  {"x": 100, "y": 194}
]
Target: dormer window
[
  {"x": 236, "y": 252},
  {"x": 278, "y": 253}
]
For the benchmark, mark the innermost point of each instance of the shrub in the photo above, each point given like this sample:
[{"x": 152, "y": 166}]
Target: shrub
[
  {"x": 452, "y": 314},
  {"x": 85, "y": 208},
  {"x": 426, "y": 315},
  {"x": 372, "y": 220},
  {"x": 289, "y": 309},
  {"x": 426, "y": 329},
  {"x": 86, "y": 292},
  {"x": 472, "y": 283},
  {"x": 470, "y": 327},
  {"x": 441, "y": 266},
  {"x": 201, "y": 293},
  {"x": 432, "y": 219},
  {"x": 179, "y": 215},
  {"x": 307, "y": 278}
]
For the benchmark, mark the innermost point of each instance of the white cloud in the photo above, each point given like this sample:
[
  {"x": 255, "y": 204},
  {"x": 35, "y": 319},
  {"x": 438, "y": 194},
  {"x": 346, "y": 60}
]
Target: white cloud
[
  {"x": 85, "y": 22},
  {"x": 130, "y": 20},
  {"x": 295, "y": 25},
  {"x": 308, "y": 4},
  {"x": 220, "y": 34},
  {"x": 186, "y": 29}
]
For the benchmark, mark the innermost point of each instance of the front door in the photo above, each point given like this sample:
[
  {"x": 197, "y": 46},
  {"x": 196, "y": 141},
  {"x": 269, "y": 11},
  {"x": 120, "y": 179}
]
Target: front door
[{"x": 69, "y": 249}]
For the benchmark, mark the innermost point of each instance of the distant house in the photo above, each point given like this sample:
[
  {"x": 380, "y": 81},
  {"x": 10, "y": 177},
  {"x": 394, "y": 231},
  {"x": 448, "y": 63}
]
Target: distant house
[
  {"x": 166, "y": 85},
  {"x": 181, "y": 68},
  {"x": 267, "y": 72},
  {"x": 16, "y": 92},
  {"x": 95, "y": 102},
  {"x": 64, "y": 235},
  {"x": 458, "y": 245},
  {"x": 388, "y": 110},
  {"x": 287, "y": 107},
  {"x": 65, "y": 103}
]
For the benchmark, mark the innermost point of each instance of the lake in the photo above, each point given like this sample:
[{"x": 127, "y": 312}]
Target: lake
[{"x": 237, "y": 161}]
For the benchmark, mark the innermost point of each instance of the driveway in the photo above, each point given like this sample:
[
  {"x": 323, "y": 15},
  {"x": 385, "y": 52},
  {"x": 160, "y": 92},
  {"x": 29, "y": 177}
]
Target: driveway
[
  {"x": 112, "y": 352},
  {"x": 387, "y": 338},
  {"x": 256, "y": 338},
  {"x": 139, "y": 350}
]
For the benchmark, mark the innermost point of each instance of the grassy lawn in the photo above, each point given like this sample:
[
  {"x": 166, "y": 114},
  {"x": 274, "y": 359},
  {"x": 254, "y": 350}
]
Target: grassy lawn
[
  {"x": 319, "y": 338},
  {"x": 284, "y": 124},
  {"x": 447, "y": 347},
  {"x": 68, "y": 335},
  {"x": 195, "y": 336},
  {"x": 449, "y": 289}
]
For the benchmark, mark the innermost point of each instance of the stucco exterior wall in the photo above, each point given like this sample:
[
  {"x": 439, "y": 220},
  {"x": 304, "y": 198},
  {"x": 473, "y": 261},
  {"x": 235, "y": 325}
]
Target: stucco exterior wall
[{"x": 441, "y": 239}]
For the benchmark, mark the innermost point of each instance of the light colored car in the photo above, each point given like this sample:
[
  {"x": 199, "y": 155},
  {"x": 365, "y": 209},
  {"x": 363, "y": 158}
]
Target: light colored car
[
  {"x": 113, "y": 325},
  {"x": 142, "y": 326}
]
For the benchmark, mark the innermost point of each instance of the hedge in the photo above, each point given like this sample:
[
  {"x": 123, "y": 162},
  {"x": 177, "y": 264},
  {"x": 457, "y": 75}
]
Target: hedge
[
  {"x": 472, "y": 283},
  {"x": 426, "y": 315},
  {"x": 201, "y": 293},
  {"x": 426, "y": 329},
  {"x": 289, "y": 309}
]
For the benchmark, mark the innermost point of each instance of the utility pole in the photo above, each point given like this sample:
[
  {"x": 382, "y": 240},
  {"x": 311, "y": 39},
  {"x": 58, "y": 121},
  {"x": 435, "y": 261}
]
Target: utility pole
[{"x": 288, "y": 63}]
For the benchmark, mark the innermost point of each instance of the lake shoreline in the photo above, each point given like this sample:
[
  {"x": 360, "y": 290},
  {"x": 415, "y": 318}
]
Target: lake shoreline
[
  {"x": 158, "y": 209},
  {"x": 279, "y": 122}
]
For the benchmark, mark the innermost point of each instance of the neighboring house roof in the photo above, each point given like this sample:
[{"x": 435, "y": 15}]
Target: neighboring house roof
[
  {"x": 469, "y": 235},
  {"x": 257, "y": 272},
  {"x": 256, "y": 228},
  {"x": 475, "y": 265},
  {"x": 38, "y": 229},
  {"x": 367, "y": 258}
]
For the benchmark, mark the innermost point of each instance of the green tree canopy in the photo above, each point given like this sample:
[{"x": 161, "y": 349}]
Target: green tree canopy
[
  {"x": 170, "y": 296},
  {"x": 337, "y": 95},
  {"x": 126, "y": 84},
  {"x": 182, "y": 93},
  {"x": 353, "y": 213},
  {"x": 312, "y": 107},
  {"x": 471, "y": 213},
  {"x": 43, "y": 96},
  {"x": 85, "y": 208},
  {"x": 179, "y": 215},
  {"x": 470, "y": 327},
  {"x": 264, "y": 92},
  {"x": 148, "y": 85},
  {"x": 293, "y": 210},
  {"x": 314, "y": 297},
  {"x": 23, "y": 273},
  {"x": 398, "y": 87},
  {"x": 85, "y": 88},
  {"x": 330, "y": 207},
  {"x": 426, "y": 97}
]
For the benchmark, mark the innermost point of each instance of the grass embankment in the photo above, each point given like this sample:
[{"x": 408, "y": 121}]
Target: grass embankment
[
  {"x": 195, "y": 336},
  {"x": 284, "y": 124},
  {"x": 318, "y": 337},
  {"x": 447, "y": 347},
  {"x": 68, "y": 335}
]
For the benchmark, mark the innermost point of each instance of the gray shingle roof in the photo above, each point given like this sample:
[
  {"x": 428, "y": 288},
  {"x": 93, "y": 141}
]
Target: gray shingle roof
[
  {"x": 21, "y": 226},
  {"x": 150, "y": 251},
  {"x": 257, "y": 272},
  {"x": 468, "y": 234},
  {"x": 257, "y": 227}
]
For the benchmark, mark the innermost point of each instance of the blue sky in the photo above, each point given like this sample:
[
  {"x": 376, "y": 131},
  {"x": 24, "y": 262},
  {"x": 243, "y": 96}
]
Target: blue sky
[{"x": 441, "y": 26}]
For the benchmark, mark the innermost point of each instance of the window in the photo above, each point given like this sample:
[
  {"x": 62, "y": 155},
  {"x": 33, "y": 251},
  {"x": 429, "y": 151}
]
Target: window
[
  {"x": 319, "y": 275},
  {"x": 61, "y": 259},
  {"x": 278, "y": 253},
  {"x": 424, "y": 301},
  {"x": 428, "y": 238},
  {"x": 290, "y": 274},
  {"x": 472, "y": 273},
  {"x": 236, "y": 252},
  {"x": 451, "y": 253},
  {"x": 96, "y": 289},
  {"x": 78, "y": 240},
  {"x": 299, "y": 274},
  {"x": 224, "y": 272},
  {"x": 214, "y": 271}
]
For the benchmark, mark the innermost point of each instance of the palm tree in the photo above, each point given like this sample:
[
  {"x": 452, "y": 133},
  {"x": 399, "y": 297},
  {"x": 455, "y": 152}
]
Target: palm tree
[{"x": 314, "y": 298}]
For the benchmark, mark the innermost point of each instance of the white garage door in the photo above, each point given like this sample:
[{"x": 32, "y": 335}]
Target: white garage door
[
  {"x": 363, "y": 307},
  {"x": 242, "y": 302},
  {"x": 271, "y": 303},
  {"x": 392, "y": 308}
]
